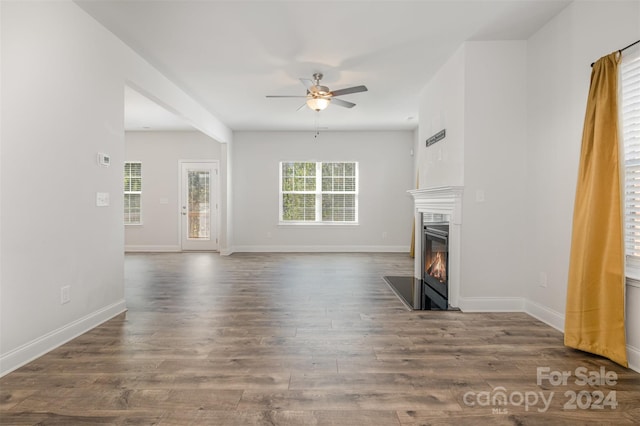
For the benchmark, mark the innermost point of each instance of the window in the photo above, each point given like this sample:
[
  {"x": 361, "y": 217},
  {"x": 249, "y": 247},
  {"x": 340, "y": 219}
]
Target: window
[
  {"x": 132, "y": 192},
  {"x": 630, "y": 108},
  {"x": 317, "y": 192}
]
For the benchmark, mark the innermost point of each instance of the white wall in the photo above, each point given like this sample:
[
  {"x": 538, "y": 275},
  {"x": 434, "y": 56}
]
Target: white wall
[
  {"x": 558, "y": 62},
  {"x": 159, "y": 153},
  {"x": 492, "y": 232},
  {"x": 442, "y": 107},
  {"x": 62, "y": 102},
  {"x": 386, "y": 173}
]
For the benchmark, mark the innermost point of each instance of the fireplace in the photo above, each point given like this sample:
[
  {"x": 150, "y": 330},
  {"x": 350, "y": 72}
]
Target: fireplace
[
  {"x": 432, "y": 205},
  {"x": 435, "y": 270}
]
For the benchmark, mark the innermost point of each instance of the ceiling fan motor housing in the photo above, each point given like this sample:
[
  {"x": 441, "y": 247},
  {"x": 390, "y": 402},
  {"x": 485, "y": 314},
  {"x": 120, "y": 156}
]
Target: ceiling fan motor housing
[{"x": 318, "y": 91}]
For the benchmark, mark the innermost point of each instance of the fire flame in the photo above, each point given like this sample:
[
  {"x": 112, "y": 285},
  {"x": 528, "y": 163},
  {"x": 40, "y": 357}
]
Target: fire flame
[{"x": 438, "y": 268}]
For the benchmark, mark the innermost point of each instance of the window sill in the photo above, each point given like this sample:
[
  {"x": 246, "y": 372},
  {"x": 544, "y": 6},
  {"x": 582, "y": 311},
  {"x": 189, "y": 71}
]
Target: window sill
[
  {"x": 632, "y": 273},
  {"x": 133, "y": 224}
]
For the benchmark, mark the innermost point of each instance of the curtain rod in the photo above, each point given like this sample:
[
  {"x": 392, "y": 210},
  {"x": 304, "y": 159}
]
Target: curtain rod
[{"x": 623, "y": 49}]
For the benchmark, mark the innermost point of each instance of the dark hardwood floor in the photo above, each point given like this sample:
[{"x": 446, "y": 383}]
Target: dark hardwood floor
[{"x": 306, "y": 339}]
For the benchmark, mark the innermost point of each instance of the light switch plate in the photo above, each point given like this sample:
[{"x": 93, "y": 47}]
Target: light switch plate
[
  {"x": 102, "y": 199},
  {"x": 104, "y": 159}
]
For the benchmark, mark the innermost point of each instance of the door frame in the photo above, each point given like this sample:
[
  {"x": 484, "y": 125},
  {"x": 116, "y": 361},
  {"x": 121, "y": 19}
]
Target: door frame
[{"x": 215, "y": 198}]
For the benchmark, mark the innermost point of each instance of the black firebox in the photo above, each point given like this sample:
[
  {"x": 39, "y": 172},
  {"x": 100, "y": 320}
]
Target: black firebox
[{"x": 435, "y": 256}]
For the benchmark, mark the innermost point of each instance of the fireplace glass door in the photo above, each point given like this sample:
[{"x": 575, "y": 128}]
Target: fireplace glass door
[{"x": 435, "y": 265}]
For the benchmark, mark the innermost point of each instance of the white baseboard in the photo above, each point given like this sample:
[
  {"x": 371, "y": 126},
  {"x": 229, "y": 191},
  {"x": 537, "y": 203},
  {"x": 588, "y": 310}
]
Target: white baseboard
[
  {"x": 274, "y": 249},
  {"x": 150, "y": 248},
  {"x": 491, "y": 304},
  {"x": 546, "y": 315},
  {"x": 28, "y": 352},
  {"x": 322, "y": 249}
]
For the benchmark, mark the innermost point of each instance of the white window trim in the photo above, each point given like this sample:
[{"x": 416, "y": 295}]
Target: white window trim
[
  {"x": 632, "y": 263},
  {"x": 318, "y": 193}
]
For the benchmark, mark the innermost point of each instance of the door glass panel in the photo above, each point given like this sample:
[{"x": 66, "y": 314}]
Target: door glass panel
[{"x": 199, "y": 204}]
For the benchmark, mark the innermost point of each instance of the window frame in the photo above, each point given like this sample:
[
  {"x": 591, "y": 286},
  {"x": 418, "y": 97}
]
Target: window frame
[
  {"x": 318, "y": 193},
  {"x": 127, "y": 212},
  {"x": 632, "y": 261}
]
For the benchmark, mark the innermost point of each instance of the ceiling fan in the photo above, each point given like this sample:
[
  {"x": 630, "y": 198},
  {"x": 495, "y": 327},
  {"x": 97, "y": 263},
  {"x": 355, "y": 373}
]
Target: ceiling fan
[{"x": 319, "y": 97}]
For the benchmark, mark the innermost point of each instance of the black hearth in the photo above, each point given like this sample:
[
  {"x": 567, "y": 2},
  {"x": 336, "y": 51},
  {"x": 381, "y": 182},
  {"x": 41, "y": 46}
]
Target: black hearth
[{"x": 435, "y": 255}]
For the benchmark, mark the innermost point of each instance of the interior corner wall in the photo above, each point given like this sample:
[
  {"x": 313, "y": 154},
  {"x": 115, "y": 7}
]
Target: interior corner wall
[
  {"x": 385, "y": 207},
  {"x": 159, "y": 153},
  {"x": 226, "y": 194},
  {"x": 558, "y": 59},
  {"x": 416, "y": 156}
]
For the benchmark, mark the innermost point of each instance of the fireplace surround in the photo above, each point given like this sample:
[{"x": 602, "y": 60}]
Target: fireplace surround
[{"x": 445, "y": 201}]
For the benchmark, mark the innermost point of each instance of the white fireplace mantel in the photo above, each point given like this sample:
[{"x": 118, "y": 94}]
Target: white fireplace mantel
[{"x": 445, "y": 200}]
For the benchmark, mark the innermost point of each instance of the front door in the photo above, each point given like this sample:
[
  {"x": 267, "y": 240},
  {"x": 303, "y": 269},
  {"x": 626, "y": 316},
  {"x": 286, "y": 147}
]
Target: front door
[{"x": 199, "y": 205}]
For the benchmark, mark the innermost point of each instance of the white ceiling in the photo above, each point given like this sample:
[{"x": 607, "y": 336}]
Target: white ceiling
[{"x": 228, "y": 55}]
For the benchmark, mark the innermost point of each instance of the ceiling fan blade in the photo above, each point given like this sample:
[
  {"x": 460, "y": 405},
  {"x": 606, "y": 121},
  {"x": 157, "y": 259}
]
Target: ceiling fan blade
[
  {"x": 342, "y": 103},
  {"x": 348, "y": 90},
  {"x": 301, "y": 106},
  {"x": 285, "y": 96},
  {"x": 306, "y": 82}
]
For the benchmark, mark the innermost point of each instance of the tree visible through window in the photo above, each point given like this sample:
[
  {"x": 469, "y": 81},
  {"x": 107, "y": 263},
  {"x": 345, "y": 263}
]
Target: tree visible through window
[
  {"x": 319, "y": 192},
  {"x": 132, "y": 192},
  {"x": 199, "y": 204}
]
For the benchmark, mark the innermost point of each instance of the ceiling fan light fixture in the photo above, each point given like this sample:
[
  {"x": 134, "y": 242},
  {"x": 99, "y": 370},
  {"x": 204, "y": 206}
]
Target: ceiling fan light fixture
[{"x": 318, "y": 104}]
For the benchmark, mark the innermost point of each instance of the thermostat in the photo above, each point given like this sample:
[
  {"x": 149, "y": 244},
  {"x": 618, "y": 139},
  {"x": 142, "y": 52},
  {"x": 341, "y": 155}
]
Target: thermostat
[{"x": 104, "y": 159}]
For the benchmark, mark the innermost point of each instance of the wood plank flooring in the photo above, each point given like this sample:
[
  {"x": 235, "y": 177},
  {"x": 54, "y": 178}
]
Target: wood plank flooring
[{"x": 303, "y": 339}]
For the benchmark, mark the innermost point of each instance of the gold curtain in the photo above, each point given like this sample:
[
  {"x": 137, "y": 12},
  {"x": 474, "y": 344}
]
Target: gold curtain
[{"x": 594, "y": 320}]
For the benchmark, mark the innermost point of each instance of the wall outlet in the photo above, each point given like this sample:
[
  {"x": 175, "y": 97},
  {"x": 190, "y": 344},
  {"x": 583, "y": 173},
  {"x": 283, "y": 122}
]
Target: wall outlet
[
  {"x": 384, "y": 235},
  {"x": 65, "y": 294},
  {"x": 542, "y": 279}
]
